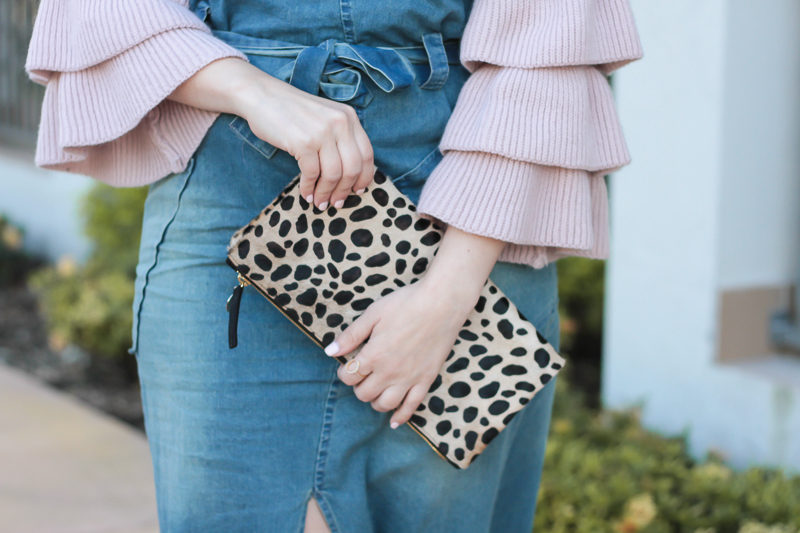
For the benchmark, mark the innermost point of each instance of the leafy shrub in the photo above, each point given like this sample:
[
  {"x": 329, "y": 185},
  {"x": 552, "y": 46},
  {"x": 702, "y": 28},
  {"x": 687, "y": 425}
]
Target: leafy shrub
[
  {"x": 605, "y": 473},
  {"x": 15, "y": 262},
  {"x": 91, "y": 305}
]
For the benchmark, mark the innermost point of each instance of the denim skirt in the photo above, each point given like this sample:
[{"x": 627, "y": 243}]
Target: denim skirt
[{"x": 242, "y": 438}]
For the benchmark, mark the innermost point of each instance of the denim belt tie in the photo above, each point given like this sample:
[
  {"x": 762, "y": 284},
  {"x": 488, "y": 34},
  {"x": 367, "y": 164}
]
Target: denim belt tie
[{"x": 336, "y": 68}]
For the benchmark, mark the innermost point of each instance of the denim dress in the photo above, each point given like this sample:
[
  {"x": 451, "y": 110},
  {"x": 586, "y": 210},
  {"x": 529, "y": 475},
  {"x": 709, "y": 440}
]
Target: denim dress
[{"x": 242, "y": 438}]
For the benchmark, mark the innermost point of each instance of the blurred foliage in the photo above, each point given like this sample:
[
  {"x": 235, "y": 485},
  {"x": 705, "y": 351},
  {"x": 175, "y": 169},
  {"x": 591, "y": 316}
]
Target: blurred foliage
[
  {"x": 15, "y": 262},
  {"x": 91, "y": 305},
  {"x": 605, "y": 473},
  {"x": 581, "y": 296}
]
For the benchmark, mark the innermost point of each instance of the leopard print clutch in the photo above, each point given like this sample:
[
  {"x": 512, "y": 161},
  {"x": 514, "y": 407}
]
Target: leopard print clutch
[{"x": 322, "y": 269}]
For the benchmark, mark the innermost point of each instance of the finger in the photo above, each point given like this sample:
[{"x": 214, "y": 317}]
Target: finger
[
  {"x": 369, "y": 388},
  {"x": 390, "y": 398},
  {"x": 351, "y": 170},
  {"x": 353, "y": 378},
  {"x": 367, "y": 159},
  {"x": 331, "y": 164},
  {"x": 412, "y": 400},
  {"x": 353, "y": 335},
  {"x": 308, "y": 161}
]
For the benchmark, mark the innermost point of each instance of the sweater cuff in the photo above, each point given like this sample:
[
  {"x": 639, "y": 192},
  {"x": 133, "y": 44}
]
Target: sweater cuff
[
  {"x": 107, "y": 121},
  {"x": 542, "y": 212}
]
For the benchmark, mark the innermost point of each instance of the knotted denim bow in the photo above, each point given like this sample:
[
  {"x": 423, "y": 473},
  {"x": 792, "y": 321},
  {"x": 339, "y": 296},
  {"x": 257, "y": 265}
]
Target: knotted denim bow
[{"x": 337, "y": 68}]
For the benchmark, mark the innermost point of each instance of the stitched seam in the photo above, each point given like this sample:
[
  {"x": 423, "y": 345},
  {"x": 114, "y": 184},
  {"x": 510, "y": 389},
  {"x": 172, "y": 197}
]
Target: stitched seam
[{"x": 190, "y": 169}]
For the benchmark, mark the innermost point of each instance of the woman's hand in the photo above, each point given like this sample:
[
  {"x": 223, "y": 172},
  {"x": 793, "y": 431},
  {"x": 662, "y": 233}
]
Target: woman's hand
[
  {"x": 412, "y": 329},
  {"x": 325, "y": 136}
]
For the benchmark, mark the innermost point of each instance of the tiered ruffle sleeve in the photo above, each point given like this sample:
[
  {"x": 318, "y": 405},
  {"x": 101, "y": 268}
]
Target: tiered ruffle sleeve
[
  {"x": 108, "y": 66},
  {"x": 535, "y": 128}
]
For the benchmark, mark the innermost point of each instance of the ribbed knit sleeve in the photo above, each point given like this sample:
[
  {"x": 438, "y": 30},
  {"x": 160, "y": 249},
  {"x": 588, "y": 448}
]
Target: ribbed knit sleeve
[
  {"x": 108, "y": 66},
  {"x": 535, "y": 128}
]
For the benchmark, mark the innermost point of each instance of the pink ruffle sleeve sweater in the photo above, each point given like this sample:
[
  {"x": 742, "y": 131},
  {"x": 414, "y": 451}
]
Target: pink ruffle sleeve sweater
[{"x": 525, "y": 150}]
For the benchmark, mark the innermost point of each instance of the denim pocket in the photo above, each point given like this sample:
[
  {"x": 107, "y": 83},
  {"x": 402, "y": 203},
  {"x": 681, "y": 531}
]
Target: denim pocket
[
  {"x": 242, "y": 129},
  {"x": 417, "y": 175}
]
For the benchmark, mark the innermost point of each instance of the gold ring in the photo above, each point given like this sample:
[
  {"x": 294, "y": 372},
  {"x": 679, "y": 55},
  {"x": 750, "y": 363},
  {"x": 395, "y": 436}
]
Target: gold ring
[{"x": 347, "y": 367}]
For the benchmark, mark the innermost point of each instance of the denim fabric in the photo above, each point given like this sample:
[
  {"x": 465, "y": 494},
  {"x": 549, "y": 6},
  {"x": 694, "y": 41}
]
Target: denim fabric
[{"x": 241, "y": 439}]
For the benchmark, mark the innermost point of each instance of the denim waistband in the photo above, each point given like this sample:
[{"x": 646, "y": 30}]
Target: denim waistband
[{"x": 335, "y": 68}]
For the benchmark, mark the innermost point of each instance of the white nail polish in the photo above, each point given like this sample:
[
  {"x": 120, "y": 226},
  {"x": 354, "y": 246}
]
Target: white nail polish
[
  {"x": 332, "y": 348},
  {"x": 339, "y": 203},
  {"x": 309, "y": 198},
  {"x": 394, "y": 425},
  {"x": 359, "y": 191},
  {"x": 323, "y": 205}
]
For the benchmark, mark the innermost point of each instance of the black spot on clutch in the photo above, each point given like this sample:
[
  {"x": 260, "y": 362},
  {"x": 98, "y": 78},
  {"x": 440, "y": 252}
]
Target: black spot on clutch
[
  {"x": 353, "y": 256},
  {"x": 300, "y": 247},
  {"x": 276, "y": 249},
  {"x": 377, "y": 260},
  {"x": 259, "y": 231},
  {"x": 380, "y": 196},
  {"x": 479, "y": 305},
  {"x": 301, "y": 225},
  {"x": 459, "y": 389},
  {"x": 422, "y": 224},
  {"x": 470, "y": 437},
  {"x": 436, "y": 405},
  {"x": 490, "y": 434},
  {"x": 336, "y": 249},
  {"x": 524, "y": 385},
  {"x": 477, "y": 376},
  {"x": 363, "y": 213},
  {"x": 420, "y": 265},
  {"x": 500, "y": 306},
  {"x": 489, "y": 361},
  {"x": 403, "y": 247},
  {"x": 351, "y": 274},
  {"x": 262, "y": 262},
  {"x": 430, "y": 238},
  {"x": 281, "y": 272},
  {"x": 498, "y": 407},
  {"x": 342, "y": 297},
  {"x": 519, "y": 352},
  {"x": 317, "y": 227},
  {"x": 436, "y": 383},
  {"x": 291, "y": 286},
  {"x": 337, "y": 226},
  {"x": 418, "y": 420},
  {"x": 319, "y": 251},
  {"x": 541, "y": 357},
  {"x": 287, "y": 202},
  {"x": 477, "y": 349},
  {"x": 400, "y": 266},
  {"x": 243, "y": 248},
  {"x": 361, "y": 237},
  {"x": 374, "y": 279},
  {"x": 489, "y": 390},
  {"x": 505, "y": 328},
  {"x": 399, "y": 202},
  {"x": 459, "y": 364},
  {"x": 274, "y": 218},
  {"x": 307, "y": 297},
  {"x": 360, "y": 305},
  {"x": 286, "y": 226},
  {"x": 334, "y": 319},
  {"x": 385, "y": 240},
  {"x": 443, "y": 427},
  {"x": 333, "y": 270},
  {"x": 320, "y": 309},
  {"x": 403, "y": 221},
  {"x": 514, "y": 370}
]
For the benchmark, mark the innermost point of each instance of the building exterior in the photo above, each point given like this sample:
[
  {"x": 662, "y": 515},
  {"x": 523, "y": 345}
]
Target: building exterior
[{"x": 705, "y": 229}]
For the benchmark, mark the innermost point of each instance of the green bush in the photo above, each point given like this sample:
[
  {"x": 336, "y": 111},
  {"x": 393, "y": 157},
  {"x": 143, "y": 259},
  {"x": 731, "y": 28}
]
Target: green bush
[
  {"x": 91, "y": 305},
  {"x": 605, "y": 473},
  {"x": 15, "y": 262}
]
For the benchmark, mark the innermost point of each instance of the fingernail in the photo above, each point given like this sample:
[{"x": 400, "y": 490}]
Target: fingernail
[
  {"x": 332, "y": 348},
  {"x": 323, "y": 205},
  {"x": 309, "y": 198},
  {"x": 394, "y": 425},
  {"x": 338, "y": 203},
  {"x": 359, "y": 191}
]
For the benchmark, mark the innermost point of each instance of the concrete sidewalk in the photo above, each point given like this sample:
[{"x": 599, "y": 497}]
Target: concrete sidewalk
[{"x": 68, "y": 468}]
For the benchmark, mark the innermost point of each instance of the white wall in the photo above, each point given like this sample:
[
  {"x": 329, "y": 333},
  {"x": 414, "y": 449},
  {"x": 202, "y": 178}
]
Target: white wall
[
  {"x": 709, "y": 201},
  {"x": 44, "y": 203}
]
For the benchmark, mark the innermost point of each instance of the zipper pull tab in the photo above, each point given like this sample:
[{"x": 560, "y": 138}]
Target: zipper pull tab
[{"x": 232, "y": 306}]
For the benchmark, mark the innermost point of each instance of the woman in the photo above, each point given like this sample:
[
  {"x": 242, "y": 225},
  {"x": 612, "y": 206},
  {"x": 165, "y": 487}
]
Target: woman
[{"x": 216, "y": 105}]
